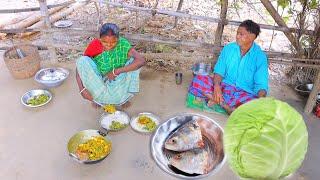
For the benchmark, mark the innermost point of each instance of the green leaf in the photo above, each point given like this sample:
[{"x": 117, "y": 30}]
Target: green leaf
[
  {"x": 314, "y": 4},
  {"x": 265, "y": 139},
  {"x": 283, "y": 3},
  {"x": 286, "y": 19}
]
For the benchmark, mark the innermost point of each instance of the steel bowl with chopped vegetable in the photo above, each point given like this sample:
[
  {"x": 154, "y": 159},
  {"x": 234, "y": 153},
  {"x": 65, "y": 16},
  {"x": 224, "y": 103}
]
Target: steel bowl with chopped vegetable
[{"x": 36, "y": 98}]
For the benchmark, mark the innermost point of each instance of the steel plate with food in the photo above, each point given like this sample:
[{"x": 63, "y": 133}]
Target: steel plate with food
[
  {"x": 89, "y": 146},
  {"x": 188, "y": 146},
  {"x": 36, "y": 98},
  {"x": 114, "y": 121},
  {"x": 145, "y": 122}
]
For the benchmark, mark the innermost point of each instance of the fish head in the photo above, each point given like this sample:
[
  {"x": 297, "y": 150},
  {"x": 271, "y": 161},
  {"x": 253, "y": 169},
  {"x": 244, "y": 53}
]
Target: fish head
[
  {"x": 174, "y": 143},
  {"x": 178, "y": 160}
]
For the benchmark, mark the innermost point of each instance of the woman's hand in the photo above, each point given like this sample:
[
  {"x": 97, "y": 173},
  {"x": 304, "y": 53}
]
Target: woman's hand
[
  {"x": 217, "y": 94},
  {"x": 110, "y": 76},
  {"x": 86, "y": 95},
  {"x": 113, "y": 74}
]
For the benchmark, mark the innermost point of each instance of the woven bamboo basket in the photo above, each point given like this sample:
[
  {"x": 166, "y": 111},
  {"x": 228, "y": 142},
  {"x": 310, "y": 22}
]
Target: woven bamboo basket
[{"x": 22, "y": 68}]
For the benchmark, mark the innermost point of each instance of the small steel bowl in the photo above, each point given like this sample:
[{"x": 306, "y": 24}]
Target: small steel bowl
[
  {"x": 32, "y": 93},
  {"x": 51, "y": 77},
  {"x": 304, "y": 89},
  {"x": 212, "y": 135},
  {"x": 63, "y": 24},
  {"x": 80, "y": 138},
  {"x": 201, "y": 69}
]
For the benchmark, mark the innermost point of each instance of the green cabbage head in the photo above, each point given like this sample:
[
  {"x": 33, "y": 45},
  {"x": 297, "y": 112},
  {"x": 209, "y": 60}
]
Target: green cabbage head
[{"x": 265, "y": 139}]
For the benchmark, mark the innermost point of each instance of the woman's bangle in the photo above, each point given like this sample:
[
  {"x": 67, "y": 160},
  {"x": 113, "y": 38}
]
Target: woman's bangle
[
  {"x": 82, "y": 90},
  {"x": 114, "y": 73}
]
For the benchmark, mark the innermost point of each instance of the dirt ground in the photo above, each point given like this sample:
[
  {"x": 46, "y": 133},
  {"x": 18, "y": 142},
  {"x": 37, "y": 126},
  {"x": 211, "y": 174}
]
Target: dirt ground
[{"x": 34, "y": 141}]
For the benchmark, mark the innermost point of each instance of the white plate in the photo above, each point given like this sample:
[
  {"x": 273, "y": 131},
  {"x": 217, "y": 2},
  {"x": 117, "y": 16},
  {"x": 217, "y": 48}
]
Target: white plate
[
  {"x": 119, "y": 116},
  {"x": 139, "y": 127},
  {"x": 63, "y": 23}
]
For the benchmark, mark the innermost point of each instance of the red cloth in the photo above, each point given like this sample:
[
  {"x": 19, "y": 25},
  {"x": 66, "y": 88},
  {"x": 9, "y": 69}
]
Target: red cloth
[
  {"x": 94, "y": 48},
  {"x": 317, "y": 112}
]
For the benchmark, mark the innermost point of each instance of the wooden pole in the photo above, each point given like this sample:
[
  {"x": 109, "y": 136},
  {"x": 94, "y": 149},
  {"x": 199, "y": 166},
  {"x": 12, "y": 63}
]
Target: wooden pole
[
  {"x": 202, "y": 18},
  {"x": 44, "y": 12},
  {"x": 45, "y": 16},
  {"x": 313, "y": 95},
  {"x": 35, "y": 8},
  {"x": 34, "y": 18},
  {"x": 178, "y": 9},
  {"x": 219, "y": 31}
]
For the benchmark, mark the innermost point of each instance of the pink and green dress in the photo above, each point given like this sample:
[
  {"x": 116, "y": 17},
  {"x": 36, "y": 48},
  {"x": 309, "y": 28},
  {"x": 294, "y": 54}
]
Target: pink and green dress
[{"x": 96, "y": 63}]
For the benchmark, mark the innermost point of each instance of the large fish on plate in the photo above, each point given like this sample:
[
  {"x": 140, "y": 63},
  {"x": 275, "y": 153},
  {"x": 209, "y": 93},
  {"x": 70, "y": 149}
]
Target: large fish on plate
[
  {"x": 192, "y": 162},
  {"x": 185, "y": 138}
]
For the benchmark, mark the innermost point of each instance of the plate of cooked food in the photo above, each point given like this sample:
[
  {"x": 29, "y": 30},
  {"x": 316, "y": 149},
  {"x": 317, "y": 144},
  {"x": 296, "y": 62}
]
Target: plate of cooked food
[
  {"x": 145, "y": 122},
  {"x": 114, "y": 121}
]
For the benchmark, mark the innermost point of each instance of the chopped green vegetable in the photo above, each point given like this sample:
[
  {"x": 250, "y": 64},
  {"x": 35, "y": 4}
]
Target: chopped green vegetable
[
  {"x": 116, "y": 125},
  {"x": 37, "y": 100},
  {"x": 150, "y": 126}
]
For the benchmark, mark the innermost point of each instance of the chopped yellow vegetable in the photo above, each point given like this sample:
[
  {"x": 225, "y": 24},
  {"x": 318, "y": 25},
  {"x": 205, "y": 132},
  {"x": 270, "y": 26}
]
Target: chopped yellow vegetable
[
  {"x": 109, "y": 108},
  {"x": 147, "y": 122},
  {"x": 144, "y": 120},
  {"x": 94, "y": 149}
]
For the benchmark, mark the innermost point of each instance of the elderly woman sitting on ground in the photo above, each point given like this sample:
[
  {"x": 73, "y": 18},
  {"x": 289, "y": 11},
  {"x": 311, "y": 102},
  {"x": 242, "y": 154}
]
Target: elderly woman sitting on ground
[
  {"x": 108, "y": 73},
  {"x": 240, "y": 74}
]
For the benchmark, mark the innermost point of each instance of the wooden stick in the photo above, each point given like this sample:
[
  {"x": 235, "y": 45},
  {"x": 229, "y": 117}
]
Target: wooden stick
[
  {"x": 219, "y": 30},
  {"x": 313, "y": 95},
  {"x": 203, "y": 18},
  {"x": 205, "y": 47},
  {"x": 296, "y": 64},
  {"x": 5, "y": 11},
  {"x": 31, "y": 20},
  {"x": 295, "y": 59},
  {"x": 56, "y": 17},
  {"x": 44, "y": 12},
  {"x": 45, "y": 17},
  {"x": 14, "y": 19},
  {"x": 178, "y": 9}
]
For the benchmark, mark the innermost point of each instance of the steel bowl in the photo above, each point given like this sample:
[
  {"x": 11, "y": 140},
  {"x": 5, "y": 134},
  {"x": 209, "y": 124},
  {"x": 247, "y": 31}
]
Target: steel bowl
[
  {"x": 212, "y": 134},
  {"x": 201, "y": 69},
  {"x": 51, "y": 77},
  {"x": 63, "y": 24},
  {"x": 82, "y": 137},
  {"x": 35, "y": 92},
  {"x": 304, "y": 89}
]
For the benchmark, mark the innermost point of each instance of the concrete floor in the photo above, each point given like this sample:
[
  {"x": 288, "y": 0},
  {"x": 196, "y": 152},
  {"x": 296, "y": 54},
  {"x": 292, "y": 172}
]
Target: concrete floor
[{"x": 33, "y": 141}]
